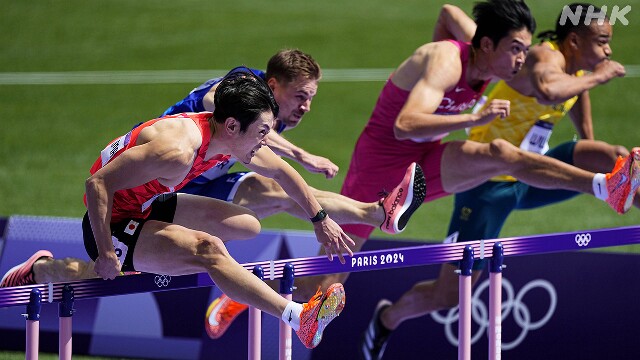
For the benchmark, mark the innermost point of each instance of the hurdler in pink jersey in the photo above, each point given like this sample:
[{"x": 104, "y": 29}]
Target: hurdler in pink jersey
[
  {"x": 426, "y": 97},
  {"x": 379, "y": 137}
]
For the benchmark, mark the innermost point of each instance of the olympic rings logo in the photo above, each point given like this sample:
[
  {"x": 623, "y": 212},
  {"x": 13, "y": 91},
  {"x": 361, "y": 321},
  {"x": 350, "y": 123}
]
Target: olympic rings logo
[
  {"x": 162, "y": 280},
  {"x": 583, "y": 239},
  {"x": 512, "y": 303}
]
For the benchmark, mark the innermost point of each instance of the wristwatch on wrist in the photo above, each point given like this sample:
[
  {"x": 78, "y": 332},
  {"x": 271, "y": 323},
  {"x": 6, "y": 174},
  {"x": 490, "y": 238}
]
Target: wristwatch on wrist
[{"x": 319, "y": 216}]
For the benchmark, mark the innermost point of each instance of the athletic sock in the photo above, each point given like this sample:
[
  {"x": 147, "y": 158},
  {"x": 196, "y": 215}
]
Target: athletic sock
[
  {"x": 291, "y": 315},
  {"x": 600, "y": 186}
]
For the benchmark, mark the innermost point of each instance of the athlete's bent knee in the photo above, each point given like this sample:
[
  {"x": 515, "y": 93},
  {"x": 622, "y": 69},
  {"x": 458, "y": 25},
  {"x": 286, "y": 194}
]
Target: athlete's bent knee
[
  {"x": 210, "y": 250},
  {"x": 502, "y": 148},
  {"x": 508, "y": 153},
  {"x": 244, "y": 227},
  {"x": 620, "y": 150},
  {"x": 250, "y": 227}
]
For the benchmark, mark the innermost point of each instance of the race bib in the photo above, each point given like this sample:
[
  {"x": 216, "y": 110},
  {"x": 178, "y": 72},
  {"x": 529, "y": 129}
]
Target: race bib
[
  {"x": 453, "y": 238},
  {"x": 112, "y": 149},
  {"x": 120, "y": 249},
  {"x": 537, "y": 139},
  {"x": 478, "y": 106}
]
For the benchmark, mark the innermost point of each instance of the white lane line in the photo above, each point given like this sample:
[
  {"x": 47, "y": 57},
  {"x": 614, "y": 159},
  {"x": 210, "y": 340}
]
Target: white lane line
[{"x": 164, "y": 76}]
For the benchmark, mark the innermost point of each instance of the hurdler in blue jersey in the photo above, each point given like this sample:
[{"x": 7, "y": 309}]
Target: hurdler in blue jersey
[{"x": 293, "y": 76}]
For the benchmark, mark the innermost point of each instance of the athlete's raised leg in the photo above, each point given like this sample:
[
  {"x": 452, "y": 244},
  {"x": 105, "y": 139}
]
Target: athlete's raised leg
[
  {"x": 467, "y": 164},
  {"x": 397, "y": 207},
  {"x": 265, "y": 196},
  {"x": 193, "y": 243}
]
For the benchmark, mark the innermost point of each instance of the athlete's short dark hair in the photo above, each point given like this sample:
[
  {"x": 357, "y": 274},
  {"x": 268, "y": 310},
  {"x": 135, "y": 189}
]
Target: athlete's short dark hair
[
  {"x": 244, "y": 96},
  {"x": 568, "y": 26},
  {"x": 496, "y": 18}
]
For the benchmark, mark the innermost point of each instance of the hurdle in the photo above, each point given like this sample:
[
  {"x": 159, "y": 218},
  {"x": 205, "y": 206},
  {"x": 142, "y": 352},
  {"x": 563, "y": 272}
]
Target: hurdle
[
  {"x": 495, "y": 301},
  {"x": 286, "y": 290},
  {"x": 255, "y": 323},
  {"x": 494, "y": 249}
]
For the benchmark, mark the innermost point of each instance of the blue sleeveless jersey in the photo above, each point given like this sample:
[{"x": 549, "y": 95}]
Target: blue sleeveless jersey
[{"x": 193, "y": 101}]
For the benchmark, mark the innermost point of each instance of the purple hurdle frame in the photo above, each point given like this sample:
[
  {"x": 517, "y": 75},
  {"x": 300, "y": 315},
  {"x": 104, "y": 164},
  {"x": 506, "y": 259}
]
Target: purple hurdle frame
[{"x": 31, "y": 295}]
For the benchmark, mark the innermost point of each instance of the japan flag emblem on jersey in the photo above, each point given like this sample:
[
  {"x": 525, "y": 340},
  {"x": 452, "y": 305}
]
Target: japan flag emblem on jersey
[{"x": 131, "y": 227}]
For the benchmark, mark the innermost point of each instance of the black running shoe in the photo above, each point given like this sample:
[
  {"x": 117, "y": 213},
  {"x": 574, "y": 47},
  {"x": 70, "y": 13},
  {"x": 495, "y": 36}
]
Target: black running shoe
[{"x": 374, "y": 340}]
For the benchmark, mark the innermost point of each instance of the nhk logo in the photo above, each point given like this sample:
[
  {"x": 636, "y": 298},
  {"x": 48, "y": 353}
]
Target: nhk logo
[{"x": 593, "y": 14}]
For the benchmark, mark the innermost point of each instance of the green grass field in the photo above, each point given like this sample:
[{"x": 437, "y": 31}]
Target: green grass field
[{"x": 51, "y": 134}]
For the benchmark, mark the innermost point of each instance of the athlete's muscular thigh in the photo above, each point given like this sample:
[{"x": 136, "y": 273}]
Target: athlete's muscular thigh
[
  {"x": 172, "y": 249},
  {"x": 467, "y": 164},
  {"x": 262, "y": 195},
  {"x": 216, "y": 217}
]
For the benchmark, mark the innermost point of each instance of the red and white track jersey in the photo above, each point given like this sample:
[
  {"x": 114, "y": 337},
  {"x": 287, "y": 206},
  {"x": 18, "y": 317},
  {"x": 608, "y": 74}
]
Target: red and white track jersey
[{"x": 136, "y": 202}]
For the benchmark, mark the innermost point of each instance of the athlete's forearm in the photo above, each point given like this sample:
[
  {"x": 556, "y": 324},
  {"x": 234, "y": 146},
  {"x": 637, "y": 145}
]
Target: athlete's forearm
[
  {"x": 295, "y": 186},
  {"x": 580, "y": 115},
  {"x": 562, "y": 87},
  {"x": 266, "y": 163},
  {"x": 284, "y": 147},
  {"x": 417, "y": 125},
  {"x": 99, "y": 203}
]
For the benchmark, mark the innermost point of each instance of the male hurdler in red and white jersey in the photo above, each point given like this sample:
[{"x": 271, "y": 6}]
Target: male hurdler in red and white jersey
[{"x": 136, "y": 202}]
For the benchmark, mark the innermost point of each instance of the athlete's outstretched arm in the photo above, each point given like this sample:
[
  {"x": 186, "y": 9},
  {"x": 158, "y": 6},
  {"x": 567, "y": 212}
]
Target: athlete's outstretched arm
[
  {"x": 553, "y": 85},
  {"x": 313, "y": 163},
  {"x": 453, "y": 23},
  {"x": 328, "y": 232},
  {"x": 580, "y": 115}
]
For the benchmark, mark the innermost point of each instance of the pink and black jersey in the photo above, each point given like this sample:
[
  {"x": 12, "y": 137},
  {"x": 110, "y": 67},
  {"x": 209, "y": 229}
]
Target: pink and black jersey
[
  {"x": 379, "y": 160},
  {"x": 392, "y": 98},
  {"x": 136, "y": 202}
]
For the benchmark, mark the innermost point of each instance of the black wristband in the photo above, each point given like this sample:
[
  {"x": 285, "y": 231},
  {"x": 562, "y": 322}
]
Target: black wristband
[{"x": 319, "y": 216}]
